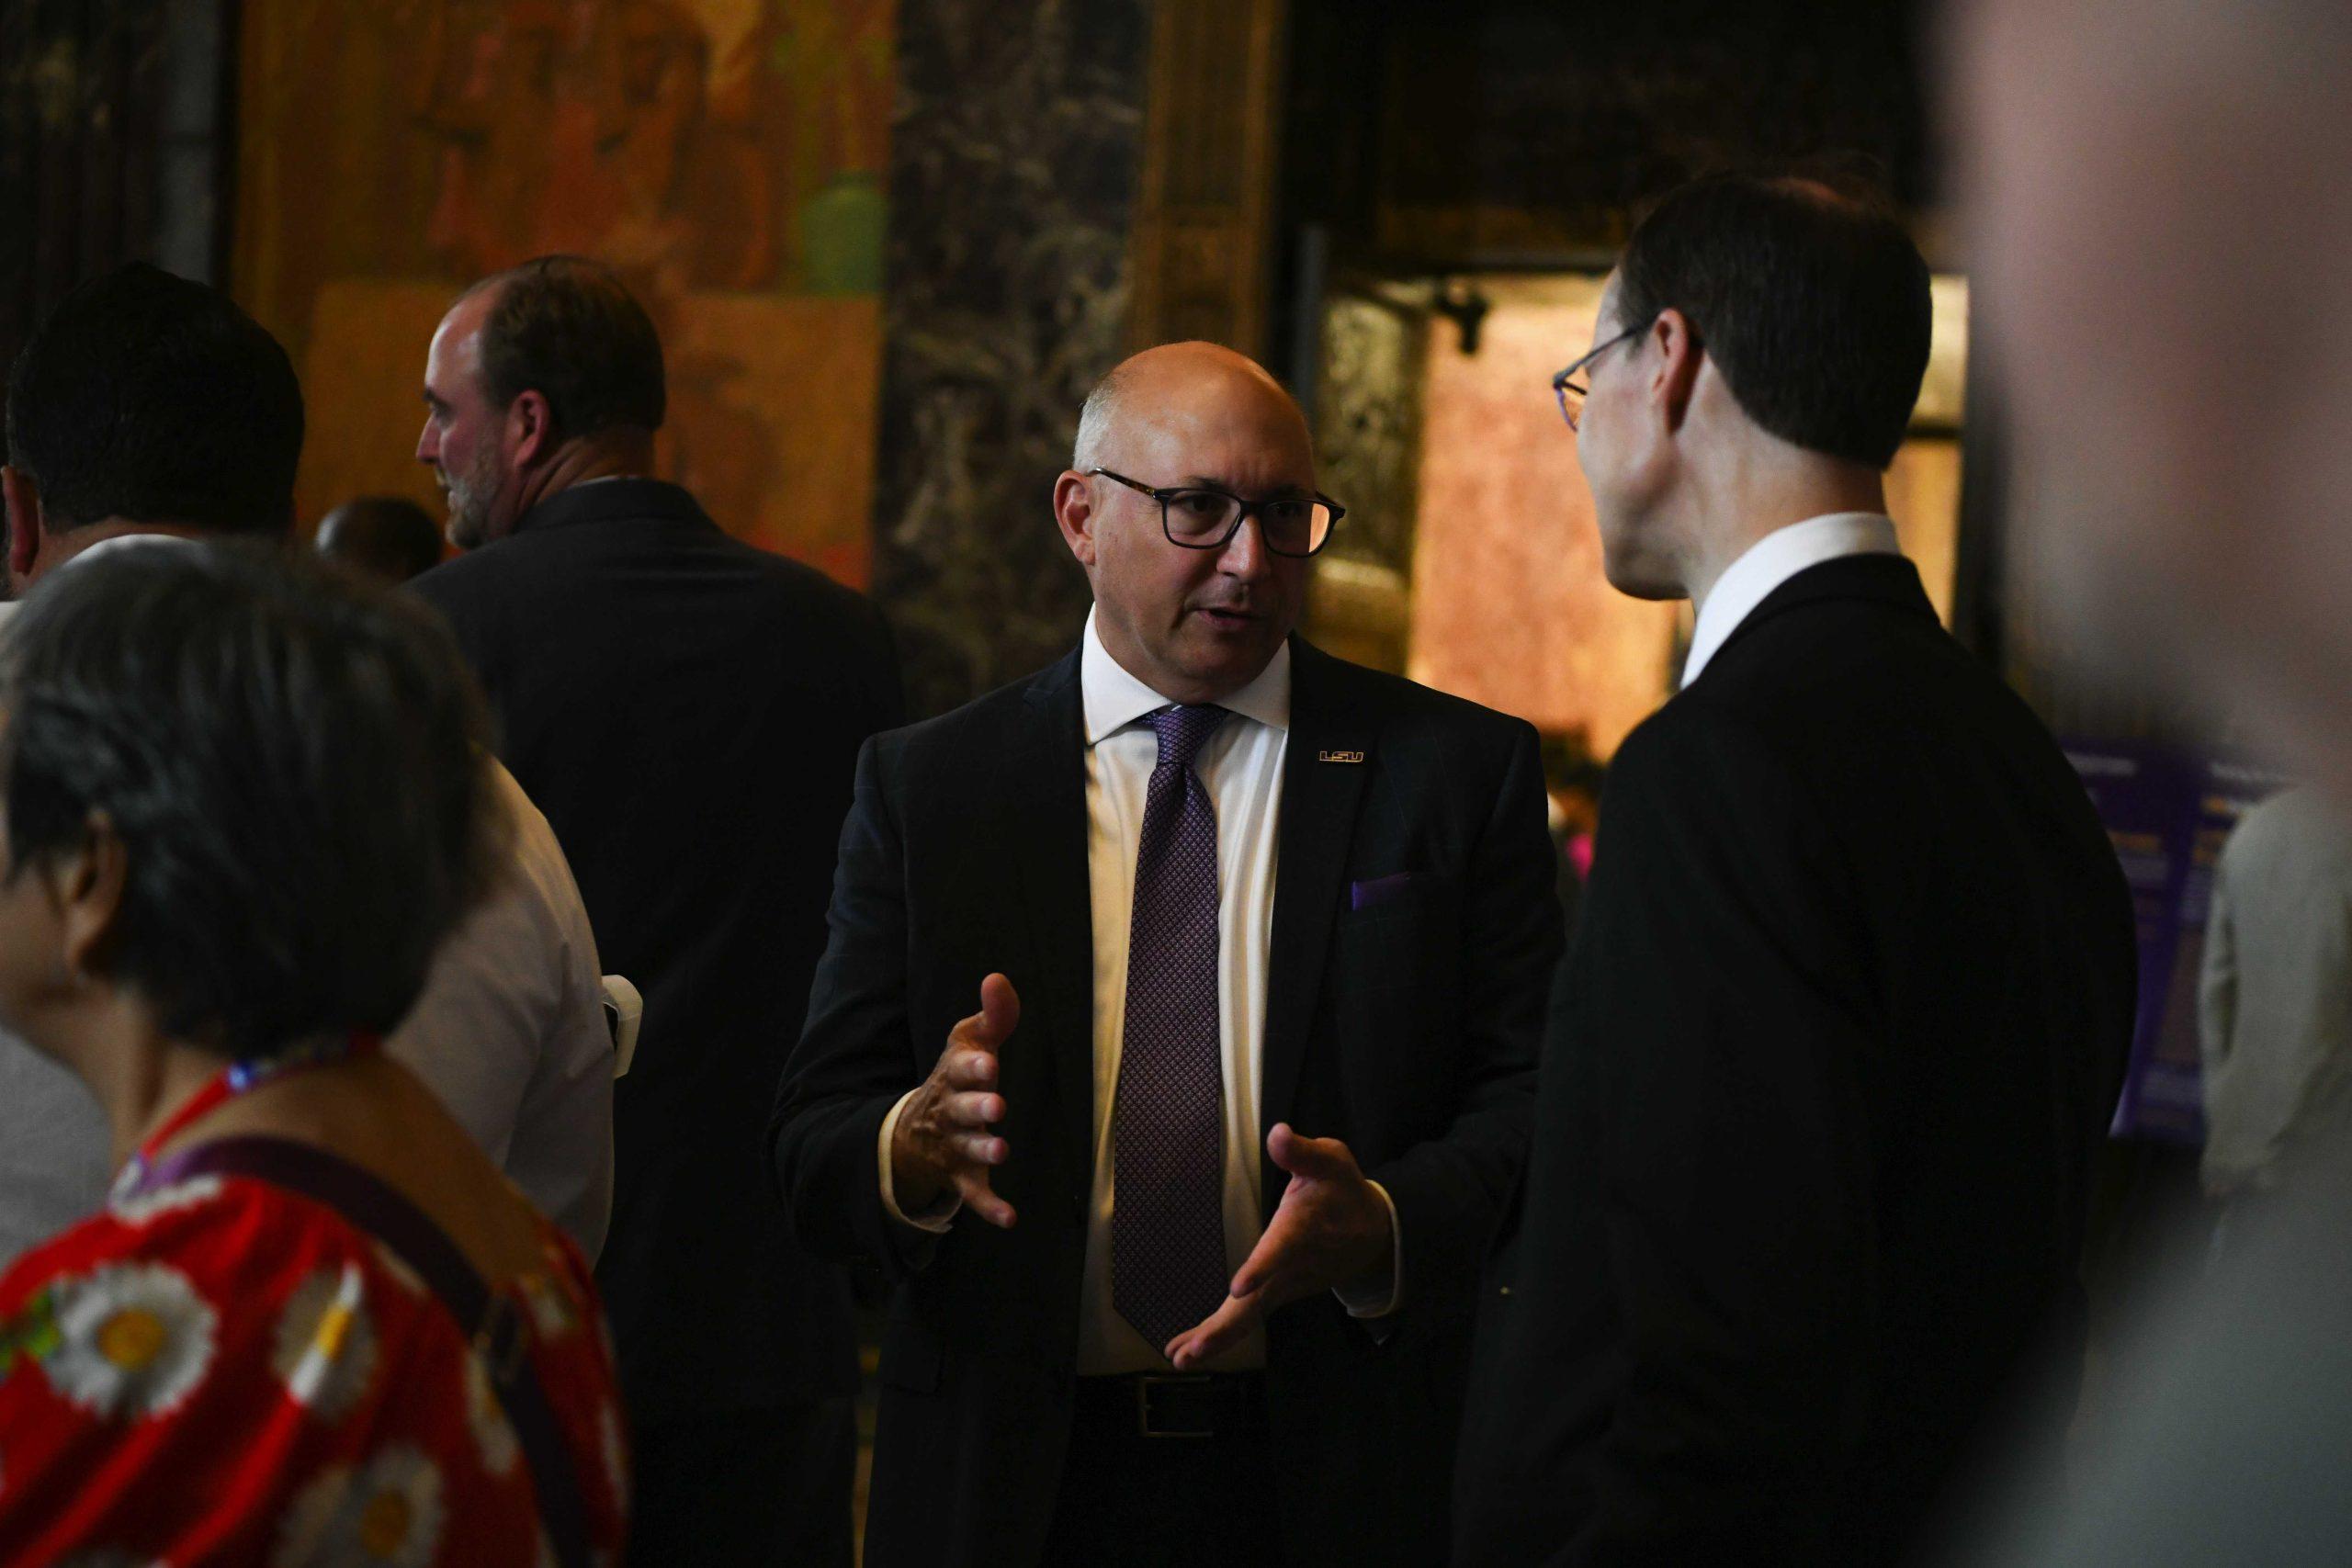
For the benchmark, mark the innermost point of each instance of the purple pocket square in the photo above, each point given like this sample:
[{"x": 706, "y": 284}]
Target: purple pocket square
[{"x": 1379, "y": 890}]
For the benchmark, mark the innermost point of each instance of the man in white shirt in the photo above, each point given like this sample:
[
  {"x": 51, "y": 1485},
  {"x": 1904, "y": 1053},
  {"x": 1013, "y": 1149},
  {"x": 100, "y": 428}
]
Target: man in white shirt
[
  {"x": 1186, "y": 1220},
  {"x": 2276, "y": 993},
  {"x": 1853, "y": 980},
  {"x": 108, "y": 450},
  {"x": 511, "y": 1032}
]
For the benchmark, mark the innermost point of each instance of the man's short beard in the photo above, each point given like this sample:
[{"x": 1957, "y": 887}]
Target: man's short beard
[{"x": 471, "y": 497}]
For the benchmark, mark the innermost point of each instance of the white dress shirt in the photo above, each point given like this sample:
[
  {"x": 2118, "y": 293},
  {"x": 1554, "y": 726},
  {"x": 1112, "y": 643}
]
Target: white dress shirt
[
  {"x": 1772, "y": 561},
  {"x": 509, "y": 1031},
  {"x": 1241, "y": 767},
  {"x": 2276, "y": 991}
]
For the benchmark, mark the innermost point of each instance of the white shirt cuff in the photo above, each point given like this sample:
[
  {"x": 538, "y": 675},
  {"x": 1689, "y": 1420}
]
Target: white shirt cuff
[
  {"x": 936, "y": 1218},
  {"x": 1362, "y": 1302}
]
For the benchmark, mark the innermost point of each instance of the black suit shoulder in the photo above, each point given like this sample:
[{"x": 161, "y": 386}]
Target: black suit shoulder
[
  {"x": 978, "y": 727},
  {"x": 1836, "y": 661},
  {"x": 1425, "y": 736},
  {"x": 515, "y": 601},
  {"x": 1398, "y": 700},
  {"x": 540, "y": 557},
  {"x": 1843, "y": 667}
]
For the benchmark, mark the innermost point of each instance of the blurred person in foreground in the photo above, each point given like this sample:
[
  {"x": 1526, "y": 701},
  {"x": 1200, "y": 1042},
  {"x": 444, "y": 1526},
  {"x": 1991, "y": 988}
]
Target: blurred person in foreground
[
  {"x": 313, "y": 1322},
  {"x": 388, "y": 537},
  {"x": 687, "y": 709},
  {"x": 2160, "y": 229},
  {"x": 1853, "y": 985},
  {"x": 147, "y": 407}
]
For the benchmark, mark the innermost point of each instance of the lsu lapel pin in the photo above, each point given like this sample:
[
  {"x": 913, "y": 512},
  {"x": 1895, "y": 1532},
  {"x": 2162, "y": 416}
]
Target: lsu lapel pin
[{"x": 1339, "y": 756}]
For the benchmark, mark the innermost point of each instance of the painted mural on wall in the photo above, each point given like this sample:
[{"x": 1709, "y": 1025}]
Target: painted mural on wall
[{"x": 729, "y": 155}]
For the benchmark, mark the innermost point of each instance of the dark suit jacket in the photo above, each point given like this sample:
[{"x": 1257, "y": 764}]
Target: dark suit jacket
[
  {"x": 688, "y": 711},
  {"x": 1407, "y": 1027},
  {"x": 1841, "y": 1030}
]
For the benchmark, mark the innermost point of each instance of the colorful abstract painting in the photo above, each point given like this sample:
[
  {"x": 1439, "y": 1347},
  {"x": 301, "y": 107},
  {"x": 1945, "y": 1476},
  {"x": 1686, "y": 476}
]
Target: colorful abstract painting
[{"x": 728, "y": 155}]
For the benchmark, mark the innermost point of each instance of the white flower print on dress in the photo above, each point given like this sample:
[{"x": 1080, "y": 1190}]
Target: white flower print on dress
[
  {"x": 551, "y": 1311},
  {"x": 138, "y": 1208},
  {"x": 324, "y": 1347},
  {"x": 494, "y": 1433},
  {"x": 389, "y": 1511},
  {"x": 133, "y": 1340}
]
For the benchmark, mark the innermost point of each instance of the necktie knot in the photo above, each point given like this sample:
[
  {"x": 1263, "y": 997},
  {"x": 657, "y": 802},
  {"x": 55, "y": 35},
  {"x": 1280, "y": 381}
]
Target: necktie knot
[{"x": 1184, "y": 729}]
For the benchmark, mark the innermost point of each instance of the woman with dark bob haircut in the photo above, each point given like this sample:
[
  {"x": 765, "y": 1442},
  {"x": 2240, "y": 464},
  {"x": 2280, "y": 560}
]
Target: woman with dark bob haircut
[{"x": 244, "y": 801}]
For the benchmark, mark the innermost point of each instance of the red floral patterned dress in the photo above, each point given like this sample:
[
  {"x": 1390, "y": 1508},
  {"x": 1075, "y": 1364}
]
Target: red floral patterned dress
[{"x": 222, "y": 1371}]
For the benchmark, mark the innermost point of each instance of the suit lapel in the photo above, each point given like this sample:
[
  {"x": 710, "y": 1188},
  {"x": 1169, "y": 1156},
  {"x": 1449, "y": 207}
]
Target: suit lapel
[
  {"x": 1046, "y": 807},
  {"x": 1324, "y": 769}
]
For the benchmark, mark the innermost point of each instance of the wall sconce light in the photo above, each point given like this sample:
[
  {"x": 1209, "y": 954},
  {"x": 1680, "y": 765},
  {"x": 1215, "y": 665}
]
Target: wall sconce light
[{"x": 1466, "y": 307}]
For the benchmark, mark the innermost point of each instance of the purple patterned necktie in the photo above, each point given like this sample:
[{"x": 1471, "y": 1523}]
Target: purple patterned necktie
[{"x": 1167, "y": 1267}]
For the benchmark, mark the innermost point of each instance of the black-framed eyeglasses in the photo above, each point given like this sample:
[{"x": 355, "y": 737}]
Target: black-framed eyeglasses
[
  {"x": 1570, "y": 394},
  {"x": 1203, "y": 517}
]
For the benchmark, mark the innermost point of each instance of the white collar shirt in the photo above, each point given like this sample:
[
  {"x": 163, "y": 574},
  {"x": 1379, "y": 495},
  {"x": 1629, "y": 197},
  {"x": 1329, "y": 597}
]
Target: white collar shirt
[{"x": 1771, "y": 561}]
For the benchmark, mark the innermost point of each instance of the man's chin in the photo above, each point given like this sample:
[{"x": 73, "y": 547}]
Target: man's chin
[
  {"x": 1228, "y": 658},
  {"x": 1633, "y": 566},
  {"x": 1635, "y": 583}
]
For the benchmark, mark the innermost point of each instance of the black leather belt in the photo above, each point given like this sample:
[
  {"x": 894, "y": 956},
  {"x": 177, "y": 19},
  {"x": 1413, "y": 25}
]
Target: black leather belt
[{"x": 1207, "y": 1405}]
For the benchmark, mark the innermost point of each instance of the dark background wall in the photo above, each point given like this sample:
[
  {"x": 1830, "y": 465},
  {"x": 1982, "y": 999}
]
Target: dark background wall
[
  {"x": 114, "y": 144},
  {"x": 1511, "y": 131},
  {"x": 1015, "y": 153}
]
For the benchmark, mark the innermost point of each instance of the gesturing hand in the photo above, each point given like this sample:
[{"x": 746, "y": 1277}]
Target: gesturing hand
[
  {"x": 942, "y": 1143},
  {"x": 1330, "y": 1229}
]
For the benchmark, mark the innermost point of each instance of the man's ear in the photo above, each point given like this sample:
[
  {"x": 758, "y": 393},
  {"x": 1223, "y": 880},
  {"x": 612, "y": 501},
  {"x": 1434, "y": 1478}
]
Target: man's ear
[
  {"x": 1074, "y": 511},
  {"x": 530, "y": 429},
  {"x": 1680, "y": 358},
  {"x": 22, "y": 498},
  {"x": 85, "y": 885}
]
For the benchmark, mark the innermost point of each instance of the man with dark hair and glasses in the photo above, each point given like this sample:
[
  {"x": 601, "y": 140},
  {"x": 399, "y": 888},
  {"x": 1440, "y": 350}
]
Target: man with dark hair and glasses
[
  {"x": 1852, "y": 983},
  {"x": 1260, "y": 942}
]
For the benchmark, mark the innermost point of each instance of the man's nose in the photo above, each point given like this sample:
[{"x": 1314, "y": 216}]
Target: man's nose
[
  {"x": 1244, "y": 554},
  {"x": 428, "y": 447}
]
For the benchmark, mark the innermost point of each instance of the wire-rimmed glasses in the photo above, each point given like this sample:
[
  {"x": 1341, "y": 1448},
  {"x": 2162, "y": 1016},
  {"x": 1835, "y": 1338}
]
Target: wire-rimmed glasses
[{"x": 1570, "y": 394}]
